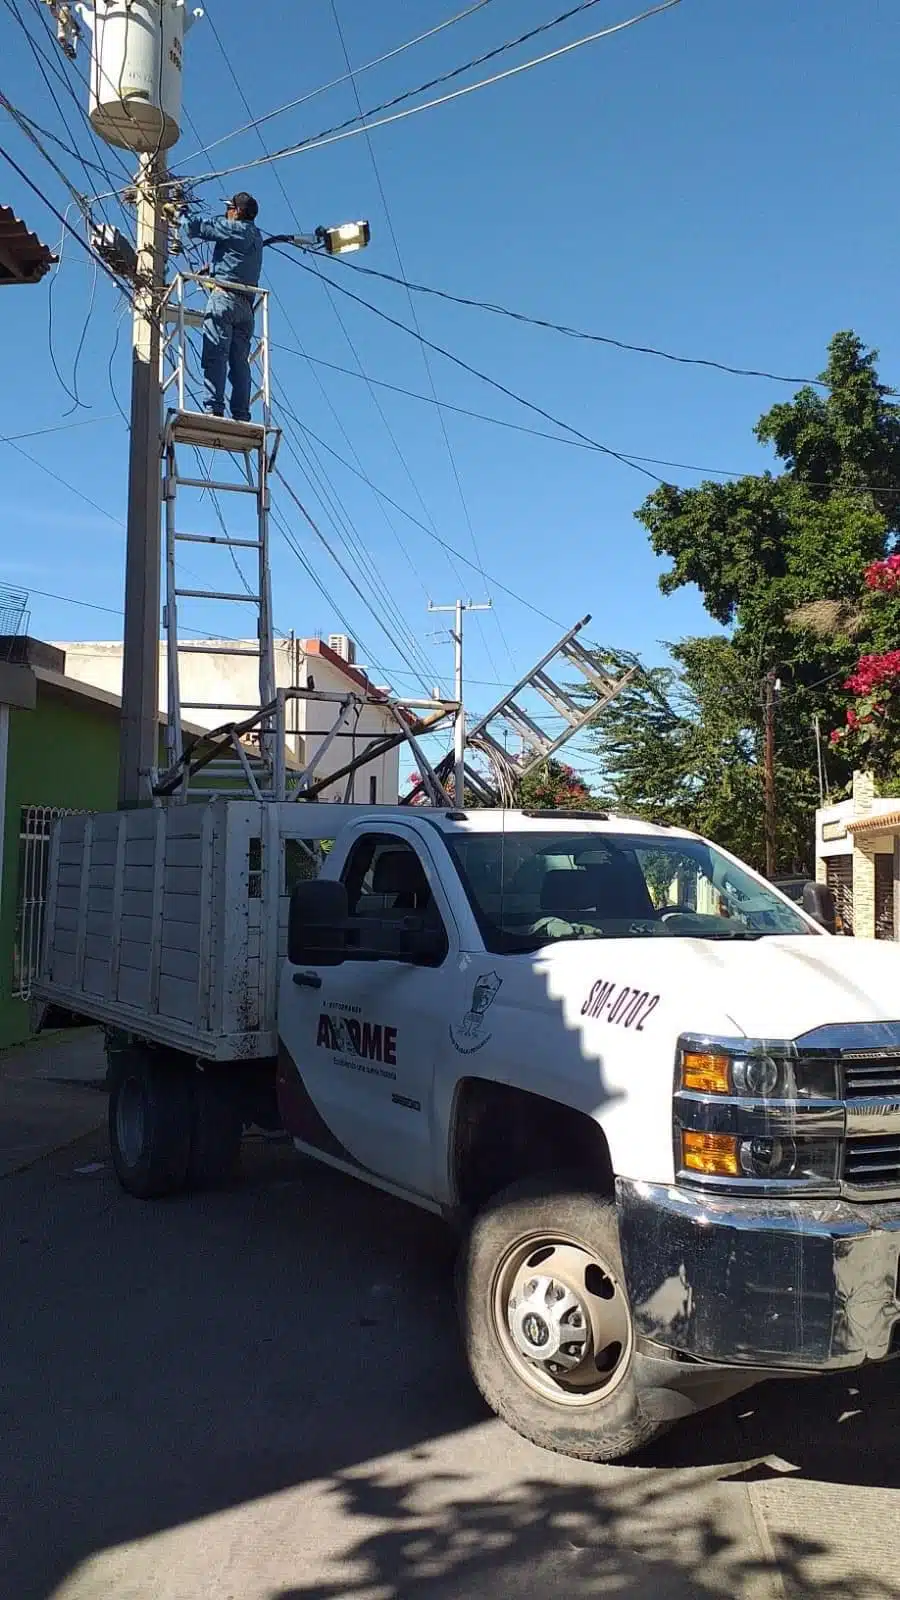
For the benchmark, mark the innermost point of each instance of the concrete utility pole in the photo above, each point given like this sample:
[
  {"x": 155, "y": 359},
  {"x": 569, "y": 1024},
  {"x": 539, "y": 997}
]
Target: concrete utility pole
[
  {"x": 139, "y": 740},
  {"x": 459, "y": 733},
  {"x": 771, "y": 685}
]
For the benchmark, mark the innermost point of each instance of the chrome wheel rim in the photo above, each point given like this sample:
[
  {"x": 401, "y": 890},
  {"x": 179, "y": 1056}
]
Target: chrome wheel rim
[
  {"x": 561, "y": 1317},
  {"x": 130, "y": 1121}
]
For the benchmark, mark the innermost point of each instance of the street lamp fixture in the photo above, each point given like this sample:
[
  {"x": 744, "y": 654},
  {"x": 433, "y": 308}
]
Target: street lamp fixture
[
  {"x": 339, "y": 241},
  {"x": 345, "y": 238}
]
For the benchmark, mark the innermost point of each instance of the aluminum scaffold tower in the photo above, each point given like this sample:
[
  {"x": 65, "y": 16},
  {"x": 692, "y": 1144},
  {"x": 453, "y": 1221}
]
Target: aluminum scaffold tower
[{"x": 242, "y": 456}]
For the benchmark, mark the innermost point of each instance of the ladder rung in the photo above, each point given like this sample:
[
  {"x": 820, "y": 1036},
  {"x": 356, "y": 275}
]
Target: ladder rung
[
  {"x": 229, "y": 794},
  {"x": 216, "y": 650},
  {"x": 212, "y": 483},
  {"x": 217, "y": 538},
  {"x": 232, "y": 769},
  {"x": 214, "y": 594},
  {"x": 216, "y": 705}
]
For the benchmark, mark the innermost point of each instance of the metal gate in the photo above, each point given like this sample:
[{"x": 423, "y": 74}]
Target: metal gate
[
  {"x": 884, "y": 896},
  {"x": 839, "y": 877},
  {"x": 34, "y": 856}
]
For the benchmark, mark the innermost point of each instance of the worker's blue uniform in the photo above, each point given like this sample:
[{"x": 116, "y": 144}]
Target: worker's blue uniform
[{"x": 228, "y": 323}]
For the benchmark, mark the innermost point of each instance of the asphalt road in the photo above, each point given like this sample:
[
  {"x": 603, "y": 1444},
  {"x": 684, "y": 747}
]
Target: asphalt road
[{"x": 258, "y": 1395}]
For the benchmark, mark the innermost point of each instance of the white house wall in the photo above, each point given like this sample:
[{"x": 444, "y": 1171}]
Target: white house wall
[{"x": 220, "y": 678}]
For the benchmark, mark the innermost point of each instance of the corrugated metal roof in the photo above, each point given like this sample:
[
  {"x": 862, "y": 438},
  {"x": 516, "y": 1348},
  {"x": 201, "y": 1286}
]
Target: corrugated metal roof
[{"x": 23, "y": 259}]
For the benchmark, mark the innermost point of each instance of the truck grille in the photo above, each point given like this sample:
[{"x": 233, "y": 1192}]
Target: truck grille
[
  {"x": 870, "y": 1074},
  {"x": 873, "y": 1161}
]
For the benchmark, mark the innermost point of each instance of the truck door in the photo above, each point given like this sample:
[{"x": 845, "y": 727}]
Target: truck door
[{"x": 363, "y": 1036}]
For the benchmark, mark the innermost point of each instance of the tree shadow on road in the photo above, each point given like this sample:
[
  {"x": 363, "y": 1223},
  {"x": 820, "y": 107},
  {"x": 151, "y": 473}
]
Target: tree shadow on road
[
  {"x": 643, "y": 1536},
  {"x": 162, "y": 1365}
]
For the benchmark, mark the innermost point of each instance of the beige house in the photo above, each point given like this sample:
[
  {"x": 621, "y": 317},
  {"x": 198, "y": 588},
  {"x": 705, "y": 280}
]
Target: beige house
[
  {"x": 858, "y": 856},
  {"x": 299, "y": 663}
]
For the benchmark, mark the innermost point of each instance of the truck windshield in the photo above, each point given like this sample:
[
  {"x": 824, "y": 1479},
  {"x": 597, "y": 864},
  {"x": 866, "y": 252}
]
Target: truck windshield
[{"x": 533, "y": 889}]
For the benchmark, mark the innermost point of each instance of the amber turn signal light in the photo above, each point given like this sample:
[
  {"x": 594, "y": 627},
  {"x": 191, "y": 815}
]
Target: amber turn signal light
[
  {"x": 708, "y": 1074},
  {"x": 713, "y": 1154}
]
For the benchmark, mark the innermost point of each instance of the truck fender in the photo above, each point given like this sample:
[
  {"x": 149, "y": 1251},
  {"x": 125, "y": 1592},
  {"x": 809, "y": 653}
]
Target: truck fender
[{"x": 500, "y": 1134}]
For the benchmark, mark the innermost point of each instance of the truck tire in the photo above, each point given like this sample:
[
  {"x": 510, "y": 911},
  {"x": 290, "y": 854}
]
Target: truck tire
[
  {"x": 216, "y": 1130},
  {"x": 540, "y": 1262},
  {"x": 149, "y": 1121}
]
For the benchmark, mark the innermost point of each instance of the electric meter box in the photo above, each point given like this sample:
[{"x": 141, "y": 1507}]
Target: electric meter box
[{"x": 136, "y": 70}]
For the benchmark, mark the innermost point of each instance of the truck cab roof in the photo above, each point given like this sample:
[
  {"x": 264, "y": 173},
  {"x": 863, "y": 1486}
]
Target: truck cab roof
[{"x": 572, "y": 821}]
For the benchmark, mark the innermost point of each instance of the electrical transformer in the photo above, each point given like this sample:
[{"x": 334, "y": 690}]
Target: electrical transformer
[{"x": 136, "y": 70}]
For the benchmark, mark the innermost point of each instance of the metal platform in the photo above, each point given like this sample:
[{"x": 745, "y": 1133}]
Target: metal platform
[{"x": 216, "y": 433}]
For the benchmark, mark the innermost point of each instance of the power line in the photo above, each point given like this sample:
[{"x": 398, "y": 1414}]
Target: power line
[
  {"x": 42, "y": 59},
  {"x": 69, "y": 600},
  {"x": 55, "y": 427},
  {"x": 349, "y": 535},
  {"x": 577, "y": 333},
  {"x": 243, "y": 98},
  {"x": 493, "y": 382},
  {"x": 330, "y": 502},
  {"x": 77, "y": 200},
  {"x": 297, "y": 550},
  {"x": 388, "y": 428},
  {"x": 66, "y": 224},
  {"x": 113, "y": 611},
  {"x": 40, "y": 8},
  {"x": 76, "y": 196},
  {"x": 358, "y": 373},
  {"x": 383, "y": 494},
  {"x": 8, "y": 439},
  {"x": 575, "y": 444},
  {"x": 38, "y": 127},
  {"x": 345, "y": 130},
  {"x": 357, "y": 72},
  {"x": 348, "y": 575},
  {"x": 426, "y": 363},
  {"x": 421, "y": 666}
]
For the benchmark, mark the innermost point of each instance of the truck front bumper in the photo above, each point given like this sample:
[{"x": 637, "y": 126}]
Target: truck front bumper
[{"x": 809, "y": 1285}]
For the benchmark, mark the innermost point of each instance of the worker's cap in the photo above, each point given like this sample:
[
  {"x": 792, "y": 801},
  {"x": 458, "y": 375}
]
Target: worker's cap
[{"x": 245, "y": 204}]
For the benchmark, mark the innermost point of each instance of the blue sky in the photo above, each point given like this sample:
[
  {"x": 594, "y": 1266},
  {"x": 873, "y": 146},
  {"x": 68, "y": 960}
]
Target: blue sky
[{"x": 718, "y": 181}]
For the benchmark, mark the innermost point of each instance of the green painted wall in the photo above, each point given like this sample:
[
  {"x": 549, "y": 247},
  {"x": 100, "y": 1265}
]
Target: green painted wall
[{"x": 64, "y": 753}]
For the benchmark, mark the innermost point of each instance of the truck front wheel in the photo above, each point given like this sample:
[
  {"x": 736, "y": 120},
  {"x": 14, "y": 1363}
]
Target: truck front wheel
[
  {"x": 149, "y": 1121},
  {"x": 547, "y": 1323}
]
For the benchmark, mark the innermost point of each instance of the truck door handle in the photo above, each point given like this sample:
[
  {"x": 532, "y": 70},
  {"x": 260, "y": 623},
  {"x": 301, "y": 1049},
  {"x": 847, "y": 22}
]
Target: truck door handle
[{"x": 308, "y": 980}]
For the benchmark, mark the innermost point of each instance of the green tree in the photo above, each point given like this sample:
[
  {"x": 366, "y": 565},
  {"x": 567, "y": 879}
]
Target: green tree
[
  {"x": 683, "y": 745},
  {"x": 779, "y": 559}
]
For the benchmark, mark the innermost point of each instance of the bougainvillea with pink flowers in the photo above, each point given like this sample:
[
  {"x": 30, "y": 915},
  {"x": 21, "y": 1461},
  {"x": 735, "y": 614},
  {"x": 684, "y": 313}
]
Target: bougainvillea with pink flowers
[
  {"x": 871, "y": 731},
  {"x": 553, "y": 786},
  {"x": 884, "y": 575}
]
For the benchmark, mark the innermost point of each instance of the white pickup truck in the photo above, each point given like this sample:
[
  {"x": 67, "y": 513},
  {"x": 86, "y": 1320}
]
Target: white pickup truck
[{"x": 663, "y": 1101}]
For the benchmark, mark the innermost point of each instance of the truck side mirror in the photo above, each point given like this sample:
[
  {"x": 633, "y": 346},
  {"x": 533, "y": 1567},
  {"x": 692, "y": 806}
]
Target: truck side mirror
[
  {"x": 317, "y": 924},
  {"x": 818, "y": 903}
]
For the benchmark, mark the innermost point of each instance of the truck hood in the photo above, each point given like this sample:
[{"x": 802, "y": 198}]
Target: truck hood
[{"x": 774, "y": 987}]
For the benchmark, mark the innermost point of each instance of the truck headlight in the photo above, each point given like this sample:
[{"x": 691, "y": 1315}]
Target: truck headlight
[
  {"x": 806, "y": 1160},
  {"x": 802, "y": 1161},
  {"x": 756, "y": 1069}
]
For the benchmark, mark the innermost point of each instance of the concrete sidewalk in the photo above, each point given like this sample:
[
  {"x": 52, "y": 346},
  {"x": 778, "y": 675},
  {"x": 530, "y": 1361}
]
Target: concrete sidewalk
[{"x": 51, "y": 1092}]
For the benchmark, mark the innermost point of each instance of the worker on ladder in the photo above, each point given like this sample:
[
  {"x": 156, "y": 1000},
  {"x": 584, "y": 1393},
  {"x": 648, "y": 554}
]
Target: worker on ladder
[{"x": 228, "y": 322}]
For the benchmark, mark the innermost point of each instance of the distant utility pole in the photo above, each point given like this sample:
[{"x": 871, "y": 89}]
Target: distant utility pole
[
  {"x": 820, "y": 759},
  {"x": 139, "y": 738},
  {"x": 770, "y": 687},
  {"x": 459, "y": 732}
]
